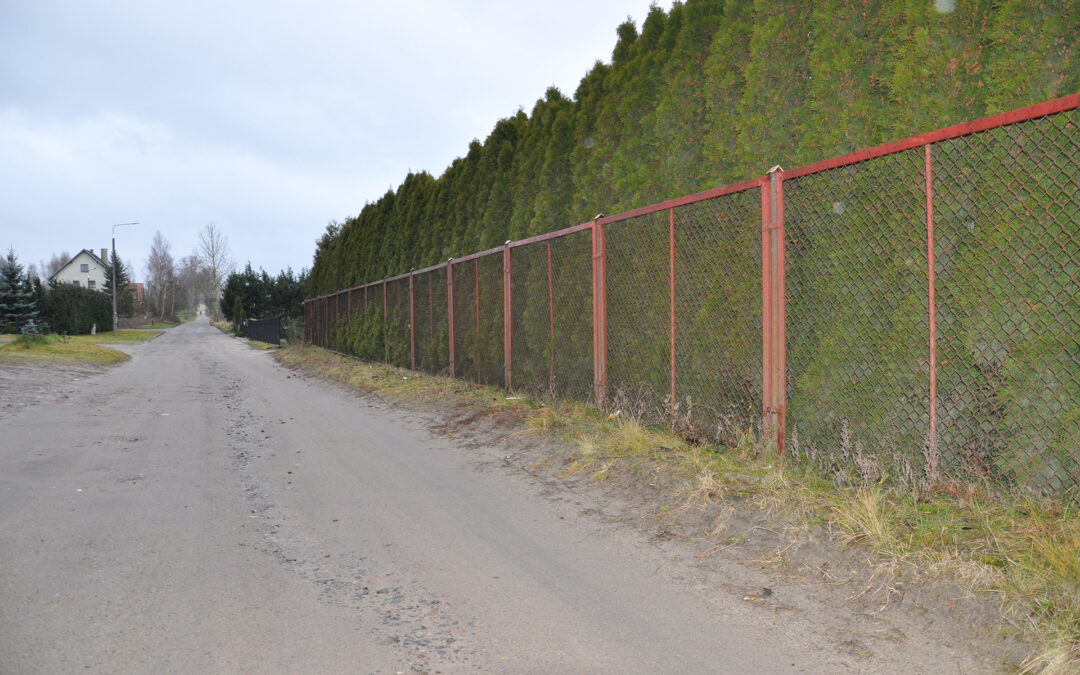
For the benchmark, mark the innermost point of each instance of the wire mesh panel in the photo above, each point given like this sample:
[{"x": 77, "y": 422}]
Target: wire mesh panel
[
  {"x": 718, "y": 315},
  {"x": 1007, "y": 253},
  {"x": 490, "y": 363},
  {"x": 552, "y": 316},
  {"x": 353, "y": 320},
  {"x": 533, "y": 341},
  {"x": 432, "y": 328},
  {"x": 465, "y": 342},
  {"x": 356, "y": 303},
  {"x": 335, "y": 321},
  {"x": 397, "y": 322},
  {"x": 327, "y": 321},
  {"x": 366, "y": 338},
  {"x": 857, "y": 315},
  {"x": 638, "y": 315},
  {"x": 571, "y": 289}
]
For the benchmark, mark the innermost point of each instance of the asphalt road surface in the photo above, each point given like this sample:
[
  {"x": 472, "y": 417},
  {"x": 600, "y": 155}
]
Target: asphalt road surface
[{"x": 201, "y": 509}]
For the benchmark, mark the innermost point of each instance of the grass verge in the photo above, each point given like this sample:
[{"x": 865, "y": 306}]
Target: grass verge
[
  {"x": 120, "y": 337},
  {"x": 51, "y": 349},
  {"x": 1026, "y": 552}
]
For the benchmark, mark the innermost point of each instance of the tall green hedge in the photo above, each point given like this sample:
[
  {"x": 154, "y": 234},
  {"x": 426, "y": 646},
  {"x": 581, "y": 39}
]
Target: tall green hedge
[
  {"x": 709, "y": 93},
  {"x": 75, "y": 310}
]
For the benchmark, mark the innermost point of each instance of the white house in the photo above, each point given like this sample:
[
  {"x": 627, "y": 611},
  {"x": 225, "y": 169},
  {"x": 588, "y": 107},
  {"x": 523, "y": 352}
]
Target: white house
[{"x": 85, "y": 269}]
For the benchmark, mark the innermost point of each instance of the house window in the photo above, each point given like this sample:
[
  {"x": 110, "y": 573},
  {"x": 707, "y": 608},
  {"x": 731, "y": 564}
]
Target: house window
[
  {"x": 90, "y": 283},
  {"x": 85, "y": 267},
  {"x": 75, "y": 282}
]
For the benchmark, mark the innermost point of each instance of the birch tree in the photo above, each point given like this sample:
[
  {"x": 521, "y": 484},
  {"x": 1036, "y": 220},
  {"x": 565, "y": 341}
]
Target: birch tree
[
  {"x": 160, "y": 276},
  {"x": 214, "y": 251}
]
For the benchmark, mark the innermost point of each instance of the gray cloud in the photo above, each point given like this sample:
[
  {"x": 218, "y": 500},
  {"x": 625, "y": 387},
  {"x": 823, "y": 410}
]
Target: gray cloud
[{"x": 267, "y": 118}]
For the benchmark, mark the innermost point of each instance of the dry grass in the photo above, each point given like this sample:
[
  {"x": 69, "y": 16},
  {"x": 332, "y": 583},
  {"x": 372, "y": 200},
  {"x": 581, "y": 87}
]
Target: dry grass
[
  {"x": 1025, "y": 552},
  {"x": 43, "y": 350},
  {"x": 865, "y": 518},
  {"x": 120, "y": 337}
]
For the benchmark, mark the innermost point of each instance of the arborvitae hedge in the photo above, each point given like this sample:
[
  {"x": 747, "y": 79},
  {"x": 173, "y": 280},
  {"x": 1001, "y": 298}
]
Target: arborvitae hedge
[
  {"x": 76, "y": 311},
  {"x": 710, "y": 93}
]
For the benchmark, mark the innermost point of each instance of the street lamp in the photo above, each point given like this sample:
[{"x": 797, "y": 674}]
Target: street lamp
[{"x": 115, "y": 318}]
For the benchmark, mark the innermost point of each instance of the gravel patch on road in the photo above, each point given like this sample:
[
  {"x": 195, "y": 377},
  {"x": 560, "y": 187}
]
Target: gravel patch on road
[{"x": 22, "y": 386}]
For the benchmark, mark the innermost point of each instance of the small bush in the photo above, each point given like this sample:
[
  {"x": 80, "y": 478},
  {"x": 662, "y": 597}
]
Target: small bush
[{"x": 30, "y": 340}]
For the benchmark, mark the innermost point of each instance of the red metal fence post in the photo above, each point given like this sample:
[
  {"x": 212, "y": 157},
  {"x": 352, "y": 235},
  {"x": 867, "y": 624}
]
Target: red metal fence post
[
  {"x": 508, "y": 317},
  {"x": 551, "y": 320},
  {"x": 412, "y": 319},
  {"x": 766, "y": 308},
  {"x": 932, "y": 450},
  {"x": 776, "y": 178},
  {"x": 386, "y": 328},
  {"x": 450, "y": 312},
  {"x": 476, "y": 281},
  {"x": 599, "y": 313},
  {"x": 671, "y": 303},
  {"x": 774, "y": 345}
]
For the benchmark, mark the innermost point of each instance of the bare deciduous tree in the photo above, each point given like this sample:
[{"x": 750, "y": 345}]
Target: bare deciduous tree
[
  {"x": 214, "y": 251},
  {"x": 55, "y": 263},
  {"x": 160, "y": 277},
  {"x": 194, "y": 280}
]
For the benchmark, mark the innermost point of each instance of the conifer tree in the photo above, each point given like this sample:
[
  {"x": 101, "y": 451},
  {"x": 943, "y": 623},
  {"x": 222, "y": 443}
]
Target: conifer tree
[
  {"x": 710, "y": 93},
  {"x": 121, "y": 275},
  {"x": 936, "y": 77},
  {"x": 1035, "y": 55},
  {"x": 679, "y": 120},
  {"x": 18, "y": 308},
  {"x": 724, "y": 84},
  {"x": 777, "y": 73}
]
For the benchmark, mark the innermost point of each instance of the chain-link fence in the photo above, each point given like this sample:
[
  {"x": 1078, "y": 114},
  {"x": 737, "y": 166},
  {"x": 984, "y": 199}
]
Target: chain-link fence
[
  {"x": 1007, "y": 260},
  {"x": 909, "y": 312},
  {"x": 551, "y": 315},
  {"x": 857, "y": 308}
]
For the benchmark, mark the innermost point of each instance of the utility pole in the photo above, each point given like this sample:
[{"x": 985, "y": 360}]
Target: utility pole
[{"x": 115, "y": 318}]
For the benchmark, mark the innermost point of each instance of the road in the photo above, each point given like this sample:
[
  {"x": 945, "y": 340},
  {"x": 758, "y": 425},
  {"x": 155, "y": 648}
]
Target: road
[{"x": 202, "y": 509}]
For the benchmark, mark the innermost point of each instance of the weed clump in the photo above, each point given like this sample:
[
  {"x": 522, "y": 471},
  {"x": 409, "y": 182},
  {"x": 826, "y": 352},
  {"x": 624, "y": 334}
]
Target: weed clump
[{"x": 30, "y": 340}]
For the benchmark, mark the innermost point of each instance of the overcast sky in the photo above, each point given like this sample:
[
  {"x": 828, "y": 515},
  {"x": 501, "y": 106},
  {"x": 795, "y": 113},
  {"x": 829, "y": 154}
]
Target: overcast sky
[{"x": 268, "y": 118}]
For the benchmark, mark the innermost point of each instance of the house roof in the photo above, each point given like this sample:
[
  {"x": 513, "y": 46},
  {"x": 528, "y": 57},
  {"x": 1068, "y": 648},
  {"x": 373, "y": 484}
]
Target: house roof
[{"x": 87, "y": 252}]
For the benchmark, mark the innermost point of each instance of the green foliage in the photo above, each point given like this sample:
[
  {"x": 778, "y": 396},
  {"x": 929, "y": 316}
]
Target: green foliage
[
  {"x": 18, "y": 304},
  {"x": 364, "y": 335},
  {"x": 263, "y": 296},
  {"x": 29, "y": 341},
  {"x": 706, "y": 94},
  {"x": 237, "y": 313},
  {"x": 121, "y": 274},
  {"x": 77, "y": 311}
]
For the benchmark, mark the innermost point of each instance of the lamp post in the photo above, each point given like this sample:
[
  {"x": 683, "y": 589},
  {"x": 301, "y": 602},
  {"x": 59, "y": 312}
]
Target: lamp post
[{"x": 115, "y": 318}]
